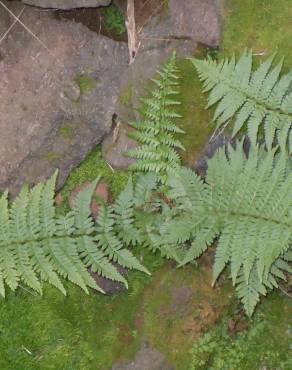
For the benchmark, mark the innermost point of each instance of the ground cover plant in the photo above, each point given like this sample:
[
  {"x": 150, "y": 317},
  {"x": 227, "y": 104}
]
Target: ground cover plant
[
  {"x": 244, "y": 202},
  {"x": 54, "y": 331}
]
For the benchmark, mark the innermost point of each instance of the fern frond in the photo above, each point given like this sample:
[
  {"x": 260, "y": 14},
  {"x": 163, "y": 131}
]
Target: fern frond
[
  {"x": 155, "y": 132},
  {"x": 36, "y": 245},
  {"x": 246, "y": 204},
  {"x": 253, "y": 99}
]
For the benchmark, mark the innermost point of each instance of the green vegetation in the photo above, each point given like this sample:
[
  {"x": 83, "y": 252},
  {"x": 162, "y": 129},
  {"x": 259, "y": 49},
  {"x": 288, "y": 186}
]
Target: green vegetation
[
  {"x": 192, "y": 109},
  {"x": 86, "y": 83},
  {"x": 92, "y": 332},
  {"x": 66, "y": 131},
  {"x": 114, "y": 19},
  {"x": 260, "y": 25},
  {"x": 77, "y": 332},
  {"x": 259, "y": 344},
  {"x": 255, "y": 99},
  {"x": 38, "y": 246},
  {"x": 155, "y": 132},
  {"x": 125, "y": 96},
  {"x": 91, "y": 168}
]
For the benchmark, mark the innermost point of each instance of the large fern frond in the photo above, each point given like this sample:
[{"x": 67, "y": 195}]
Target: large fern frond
[
  {"x": 246, "y": 203},
  {"x": 255, "y": 99},
  {"x": 36, "y": 245}
]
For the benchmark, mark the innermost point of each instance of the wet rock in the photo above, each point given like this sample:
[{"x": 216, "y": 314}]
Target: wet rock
[
  {"x": 147, "y": 358},
  {"x": 100, "y": 195},
  {"x": 65, "y": 4},
  {"x": 57, "y": 96},
  {"x": 116, "y": 144}
]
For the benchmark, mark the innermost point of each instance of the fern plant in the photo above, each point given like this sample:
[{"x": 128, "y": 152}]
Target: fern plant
[
  {"x": 156, "y": 131},
  {"x": 36, "y": 245},
  {"x": 255, "y": 99},
  {"x": 245, "y": 205}
]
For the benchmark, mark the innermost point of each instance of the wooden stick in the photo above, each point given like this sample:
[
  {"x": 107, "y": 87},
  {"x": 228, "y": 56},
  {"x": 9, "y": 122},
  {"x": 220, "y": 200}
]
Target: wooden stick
[{"x": 133, "y": 44}]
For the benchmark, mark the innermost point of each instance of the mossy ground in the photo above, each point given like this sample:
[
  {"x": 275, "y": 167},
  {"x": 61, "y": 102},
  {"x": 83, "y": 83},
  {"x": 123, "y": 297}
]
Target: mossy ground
[{"x": 175, "y": 306}]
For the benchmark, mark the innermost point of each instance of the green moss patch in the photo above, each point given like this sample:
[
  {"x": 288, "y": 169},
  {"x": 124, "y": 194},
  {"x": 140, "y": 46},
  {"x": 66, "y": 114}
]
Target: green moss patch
[
  {"x": 260, "y": 25},
  {"x": 196, "y": 121},
  {"x": 178, "y": 306},
  {"x": 86, "y": 83}
]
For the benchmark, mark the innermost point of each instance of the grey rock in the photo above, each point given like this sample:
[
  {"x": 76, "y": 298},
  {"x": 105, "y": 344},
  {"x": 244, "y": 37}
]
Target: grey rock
[
  {"x": 179, "y": 27},
  {"x": 196, "y": 20},
  {"x": 115, "y": 144},
  {"x": 147, "y": 358},
  {"x": 211, "y": 147},
  {"x": 57, "y": 100},
  {"x": 66, "y": 4},
  {"x": 111, "y": 287}
]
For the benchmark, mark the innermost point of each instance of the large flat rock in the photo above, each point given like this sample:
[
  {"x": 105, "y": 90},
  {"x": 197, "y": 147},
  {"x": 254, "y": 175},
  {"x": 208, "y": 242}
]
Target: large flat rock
[{"x": 57, "y": 96}]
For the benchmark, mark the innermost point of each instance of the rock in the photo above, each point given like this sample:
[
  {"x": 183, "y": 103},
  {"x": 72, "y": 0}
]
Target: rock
[
  {"x": 147, "y": 358},
  {"x": 110, "y": 287},
  {"x": 65, "y": 4},
  {"x": 178, "y": 27},
  {"x": 197, "y": 20},
  {"x": 201, "y": 165},
  {"x": 57, "y": 96},
  {"x": 100, "y": 196},
  {"x": 115, "y": 144}
]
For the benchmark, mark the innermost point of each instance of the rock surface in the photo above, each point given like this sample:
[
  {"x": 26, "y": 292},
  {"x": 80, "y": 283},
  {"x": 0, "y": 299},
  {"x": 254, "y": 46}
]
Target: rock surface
[
  {"x": 179, "y": 26},
  {"x": 147, "y": 358},
  {"x": 57, "y": 96},
  {"x": 66, "y": 4},
  {"x": 115, "y": 144}
]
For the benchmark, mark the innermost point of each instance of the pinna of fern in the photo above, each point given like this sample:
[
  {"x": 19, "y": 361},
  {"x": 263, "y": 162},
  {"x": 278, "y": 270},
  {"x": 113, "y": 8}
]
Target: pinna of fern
[
  {"x": 156, "y": 131},
  {"x": 250, "y": 98},
  {"x": 246, "y": 206},
  {"x": 36, "y": 245}
]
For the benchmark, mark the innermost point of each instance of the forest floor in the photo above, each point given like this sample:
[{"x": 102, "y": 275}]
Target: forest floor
[{"x": 192, "y": 325}]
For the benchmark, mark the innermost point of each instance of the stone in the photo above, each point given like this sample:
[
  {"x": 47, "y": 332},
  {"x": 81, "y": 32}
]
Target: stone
[
  {"x": 180, "y": 26},
  {"x": 65, "y": 4},
  {"x": 57, "y": 96},
  {"x": 111, "y": 287},
  {"x": 115, "y": 144},
  {"x": 147, "y": 358},
  {"x": 211, "y": 147},
  {"x": 100, "y": 195}
]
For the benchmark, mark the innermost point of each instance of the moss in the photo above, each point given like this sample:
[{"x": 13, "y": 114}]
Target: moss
[
  {"x": 74, "y": 332},
  {"x": 92, "y": 167},
  {"x": 196, "y": 121},
  {"x": 86, "y": 83},
  {"x": 125, "y": 96},
  {"x": 66, "y": 131},
  {"x": 264, "y": 26},
  {"x": 52, "y": 156},
  {"x": 260, "y": 343},
  {"x": 178, "y": 306}
]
